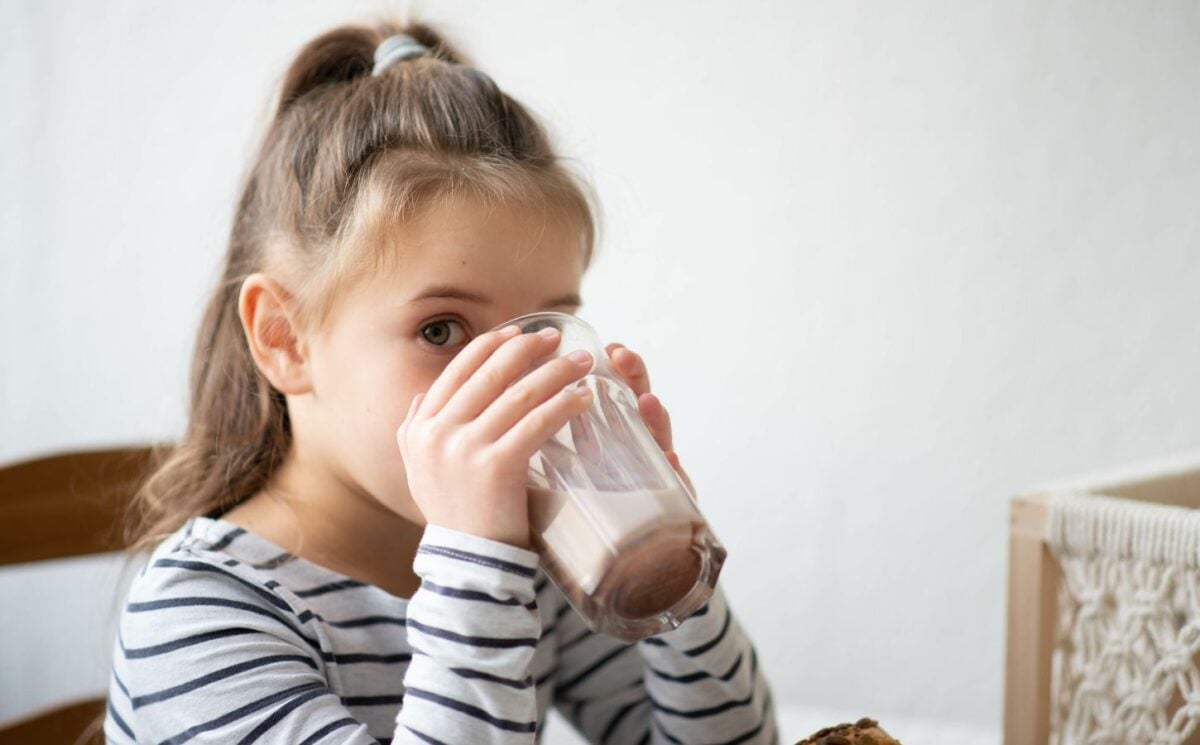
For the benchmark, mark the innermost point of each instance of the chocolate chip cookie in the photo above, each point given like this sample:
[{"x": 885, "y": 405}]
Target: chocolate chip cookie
[{"x": 863, "y": 732}]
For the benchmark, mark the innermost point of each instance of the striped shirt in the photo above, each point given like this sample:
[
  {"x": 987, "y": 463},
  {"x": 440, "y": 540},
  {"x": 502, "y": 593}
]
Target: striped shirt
[{"x": 227, "y": 638}]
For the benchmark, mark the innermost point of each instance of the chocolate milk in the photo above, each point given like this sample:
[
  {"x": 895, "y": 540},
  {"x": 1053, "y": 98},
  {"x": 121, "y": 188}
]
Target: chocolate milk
[
  {"x": 615, "y": 526},
  {"x": 633, "y": 552}
]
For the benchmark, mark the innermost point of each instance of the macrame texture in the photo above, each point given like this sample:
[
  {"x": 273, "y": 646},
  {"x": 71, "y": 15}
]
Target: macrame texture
[{"x": 1124, "y": 666}]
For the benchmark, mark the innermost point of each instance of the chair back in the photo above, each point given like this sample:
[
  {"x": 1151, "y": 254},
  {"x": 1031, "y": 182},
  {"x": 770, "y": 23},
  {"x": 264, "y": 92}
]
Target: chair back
[{"x": 58, "y": 507}]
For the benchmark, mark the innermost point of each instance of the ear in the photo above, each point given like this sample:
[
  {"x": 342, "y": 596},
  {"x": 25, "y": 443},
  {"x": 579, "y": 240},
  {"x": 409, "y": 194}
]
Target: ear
[{"x": 272, "y": 334}]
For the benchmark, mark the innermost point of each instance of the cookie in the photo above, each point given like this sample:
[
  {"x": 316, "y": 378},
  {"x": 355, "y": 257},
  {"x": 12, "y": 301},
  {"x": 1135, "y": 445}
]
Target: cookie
[{"x": 865, "y": 731}]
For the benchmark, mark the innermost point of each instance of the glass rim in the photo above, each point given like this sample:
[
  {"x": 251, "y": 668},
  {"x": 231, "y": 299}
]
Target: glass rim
[{"x": 568, "y": 317}]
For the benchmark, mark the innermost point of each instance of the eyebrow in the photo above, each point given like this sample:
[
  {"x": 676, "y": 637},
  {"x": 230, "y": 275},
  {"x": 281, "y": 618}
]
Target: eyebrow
[{"x": 457, "y": 293}]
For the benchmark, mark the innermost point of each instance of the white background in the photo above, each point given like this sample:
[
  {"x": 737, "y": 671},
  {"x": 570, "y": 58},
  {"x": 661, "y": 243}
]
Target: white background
[{"x": 889, "y": 264}]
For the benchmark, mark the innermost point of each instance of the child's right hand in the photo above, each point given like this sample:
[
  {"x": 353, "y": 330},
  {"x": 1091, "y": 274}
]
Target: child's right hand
[{"x": 467, "y": 441}]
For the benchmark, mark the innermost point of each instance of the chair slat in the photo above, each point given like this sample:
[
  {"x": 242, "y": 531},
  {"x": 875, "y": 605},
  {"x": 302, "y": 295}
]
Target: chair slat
[
  {"x": 67, "y": 505},
  {"x": 77, "y": 723}
]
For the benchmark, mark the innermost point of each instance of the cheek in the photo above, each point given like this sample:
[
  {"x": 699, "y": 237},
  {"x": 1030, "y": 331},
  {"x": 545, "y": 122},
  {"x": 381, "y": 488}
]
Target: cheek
[
  {"x": 364, "y": 412},
  {"x": 349, "y": 388},
  {"x": 365, "y": 382},
  {"x": 379, "y": 392}
]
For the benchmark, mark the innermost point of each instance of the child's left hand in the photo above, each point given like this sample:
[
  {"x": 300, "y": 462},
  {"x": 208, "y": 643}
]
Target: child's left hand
[{"x": 630, "y": 366}]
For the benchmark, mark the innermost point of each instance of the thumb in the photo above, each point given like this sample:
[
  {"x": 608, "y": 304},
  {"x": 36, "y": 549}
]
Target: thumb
[{"x": 412, "y": 409}]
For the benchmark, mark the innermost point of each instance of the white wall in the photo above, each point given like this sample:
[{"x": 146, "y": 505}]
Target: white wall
[{"x": 888, "y": 265}]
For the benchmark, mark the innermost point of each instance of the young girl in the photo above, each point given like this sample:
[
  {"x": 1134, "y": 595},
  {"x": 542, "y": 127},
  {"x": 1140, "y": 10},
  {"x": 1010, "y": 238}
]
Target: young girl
[{"x": 342, "y": 553}]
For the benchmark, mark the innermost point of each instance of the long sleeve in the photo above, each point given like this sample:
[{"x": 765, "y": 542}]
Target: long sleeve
[
  {"x": 239, "y": 643},
  {"x": 211, "y": 649},
  {"x": 699, "y": 683},
  {"x": 473, "y": 626},
  {"x": 202, "y": 655}
]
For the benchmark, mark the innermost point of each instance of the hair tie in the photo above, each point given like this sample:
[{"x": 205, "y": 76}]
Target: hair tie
[{"x": 394, "y": 49}]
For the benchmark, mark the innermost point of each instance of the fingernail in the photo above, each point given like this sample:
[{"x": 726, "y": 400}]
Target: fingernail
[
  {"x": 582, "y": 391},
  {"x": 510, "y": 330},
  {"x": 580, "y": 356},
  {"x": 548, "y": 333}
]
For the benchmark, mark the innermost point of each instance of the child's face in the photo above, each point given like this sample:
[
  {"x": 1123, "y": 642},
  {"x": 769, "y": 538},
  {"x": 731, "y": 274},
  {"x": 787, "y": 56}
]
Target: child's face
[{"x": 382, "y": 343}]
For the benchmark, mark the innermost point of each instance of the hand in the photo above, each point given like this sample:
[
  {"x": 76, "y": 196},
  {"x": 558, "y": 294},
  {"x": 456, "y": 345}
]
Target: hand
[
  {"x": 467, "y": 441},
  {"x": 631, "y": 367}
]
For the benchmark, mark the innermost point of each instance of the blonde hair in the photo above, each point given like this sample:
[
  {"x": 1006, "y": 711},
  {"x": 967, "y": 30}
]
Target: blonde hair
[{"x": 346, "y": 156}]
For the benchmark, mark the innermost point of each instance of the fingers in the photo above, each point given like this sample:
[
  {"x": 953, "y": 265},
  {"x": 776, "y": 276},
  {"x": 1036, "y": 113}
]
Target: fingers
[
  {"x": 630, "y": 366},
  {"x": 412, "y": 408},
  {"x": 535, "y": 428},
  {"x": 531, "y": 391},
  {"x": 673, "y": 459},
  {"x": 462, "y": 367},
  {"x": 496, "y": 373},
  {"x": 657, "y": 419}
]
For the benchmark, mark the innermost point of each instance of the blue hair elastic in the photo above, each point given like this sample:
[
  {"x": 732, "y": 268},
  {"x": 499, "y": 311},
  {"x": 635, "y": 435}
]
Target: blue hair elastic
[{"x": 395, "y": 49}]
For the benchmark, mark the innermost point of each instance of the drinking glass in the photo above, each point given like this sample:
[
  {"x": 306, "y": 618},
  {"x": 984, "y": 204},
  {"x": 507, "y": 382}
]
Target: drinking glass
[{"x": 616, "y": 527}]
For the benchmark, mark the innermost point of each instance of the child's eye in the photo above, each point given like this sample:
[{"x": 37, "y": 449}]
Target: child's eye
[{"x": 438, "y": 334}]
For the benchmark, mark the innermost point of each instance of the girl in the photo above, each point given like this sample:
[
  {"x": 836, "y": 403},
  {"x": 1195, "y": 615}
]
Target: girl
[{"x": 342, "y": 553}]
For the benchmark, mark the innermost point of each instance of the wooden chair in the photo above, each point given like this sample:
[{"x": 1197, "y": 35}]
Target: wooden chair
[
  {"x": 58, "y": 507},
  {"x": 1036, "y": 625}
]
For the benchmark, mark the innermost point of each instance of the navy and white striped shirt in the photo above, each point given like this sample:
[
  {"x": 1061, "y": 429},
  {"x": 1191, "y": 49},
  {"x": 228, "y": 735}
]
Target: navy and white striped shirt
[{"x": 227, "y": 638}]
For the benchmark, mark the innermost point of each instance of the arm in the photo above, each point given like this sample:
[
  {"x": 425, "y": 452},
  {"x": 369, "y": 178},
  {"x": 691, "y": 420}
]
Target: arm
[
  {"x": 207, "y": 653},
  {"x": 700, "y": 683},
  {"x": 473, "y": 627},
  {"x": 203, "y": 655}
]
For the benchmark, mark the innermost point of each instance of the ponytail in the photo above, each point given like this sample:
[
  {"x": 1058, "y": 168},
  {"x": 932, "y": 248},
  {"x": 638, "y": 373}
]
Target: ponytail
[{"x": 345, "y": 152}]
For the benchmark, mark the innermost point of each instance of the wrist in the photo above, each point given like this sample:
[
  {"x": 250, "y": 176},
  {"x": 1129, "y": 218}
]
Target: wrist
[
  {"x": 516, "y": 536},
  {"x": 455, "y": 536}
]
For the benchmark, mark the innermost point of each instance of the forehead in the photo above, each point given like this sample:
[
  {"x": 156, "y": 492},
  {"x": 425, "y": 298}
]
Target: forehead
[{"x": 497, "y": 250}]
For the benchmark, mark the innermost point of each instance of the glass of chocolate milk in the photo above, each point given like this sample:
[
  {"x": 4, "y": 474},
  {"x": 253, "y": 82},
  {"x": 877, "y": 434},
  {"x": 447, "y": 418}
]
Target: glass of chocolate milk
[{"x": 617, "y": 529}]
